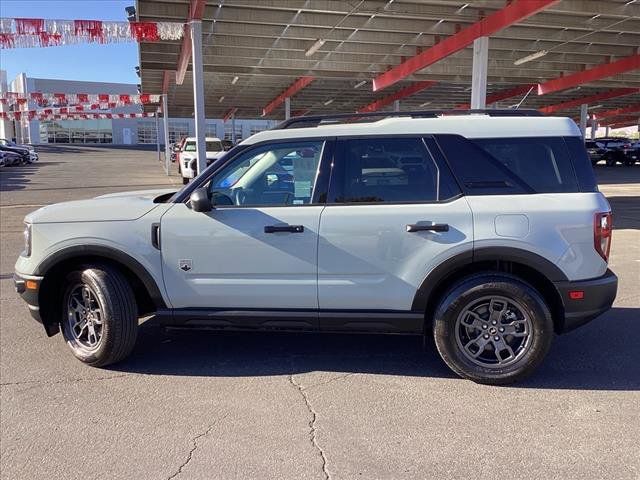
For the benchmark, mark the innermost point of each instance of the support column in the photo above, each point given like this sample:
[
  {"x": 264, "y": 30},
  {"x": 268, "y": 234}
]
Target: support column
[
  {"x": 165, "y": 115},
  {"x": 594, "y": 128},
  {"x": 233, "y": 129},
  {"x": 287, "y": 108},
  {"x": 479, "y": 73},
  {"x": 606, "y": 132},
  {"x": 583, "y": 120},
  {"x": 6, "y": 126},
  {"x": 158, "y": 133},
  {"x": 198, "y": 93},
  {"x": 396, "y": 105}
]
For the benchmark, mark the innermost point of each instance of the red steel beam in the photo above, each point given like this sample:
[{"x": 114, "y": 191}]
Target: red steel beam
[
  {"x": 618, "y": 92},
  {"x": 618, "y": 111},
  {"x": 402, "y": 93},
  {"x": 166, "y": 80},
  {"x": 596, "y": 73},
  {"x": 501, "y": 95},
  {"x": 514, "y": 12},
  {"x": 291, "y": 90},
  {"x": 229, "y": 113},
  {"x": 196, "y": 12}
]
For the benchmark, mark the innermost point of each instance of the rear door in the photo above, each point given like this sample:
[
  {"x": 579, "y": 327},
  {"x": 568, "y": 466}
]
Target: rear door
[{"x": 393, "y": 214}]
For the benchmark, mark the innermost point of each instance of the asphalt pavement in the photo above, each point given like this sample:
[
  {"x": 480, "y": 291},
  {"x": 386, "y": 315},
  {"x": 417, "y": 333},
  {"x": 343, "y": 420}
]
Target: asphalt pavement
[{"x": 206, "y": 405}]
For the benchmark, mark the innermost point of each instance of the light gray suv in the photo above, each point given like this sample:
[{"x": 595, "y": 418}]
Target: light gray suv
[{"x": 485, "y": 229}]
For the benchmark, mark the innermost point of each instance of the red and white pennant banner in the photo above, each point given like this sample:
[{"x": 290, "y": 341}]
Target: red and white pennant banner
[
  {"x": 35, "y": 115},
  {"x": 40, "y": 32},
  {"x": 15, "y": 98}
]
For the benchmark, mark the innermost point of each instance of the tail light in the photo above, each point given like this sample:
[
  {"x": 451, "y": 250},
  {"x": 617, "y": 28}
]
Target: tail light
[{"x": 602, "y": 228}]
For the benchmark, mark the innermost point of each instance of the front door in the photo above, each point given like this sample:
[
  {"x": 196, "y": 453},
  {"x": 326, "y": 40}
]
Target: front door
[{"x": 257, "y": 249}]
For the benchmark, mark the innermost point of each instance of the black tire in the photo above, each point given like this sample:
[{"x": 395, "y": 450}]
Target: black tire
[
  {"x": 610, "y": 161},
  {"x": 185, "y": 180},
  {"x": 629, "y": 162},
  {"x": 447, "y": 329},
  {"x": 111, "y": 293}
]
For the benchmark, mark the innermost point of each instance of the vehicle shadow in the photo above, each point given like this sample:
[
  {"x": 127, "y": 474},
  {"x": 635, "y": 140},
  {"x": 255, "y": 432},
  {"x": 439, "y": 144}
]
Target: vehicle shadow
[
  {"x": 626, "y": 212},
  {"x": 17, "y": 177},
  {"x": 603, "y": 355}
]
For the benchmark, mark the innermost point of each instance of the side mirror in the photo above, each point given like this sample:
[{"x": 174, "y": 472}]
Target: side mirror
[{"x": 200, "y": 201}]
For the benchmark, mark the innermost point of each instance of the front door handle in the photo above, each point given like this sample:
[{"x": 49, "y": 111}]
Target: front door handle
[
  {"x": 436, "y": 227},
  {"x": 283, "y": 228}
]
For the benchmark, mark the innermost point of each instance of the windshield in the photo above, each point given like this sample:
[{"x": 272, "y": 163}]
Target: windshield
[{"x": 212, "y": 146}]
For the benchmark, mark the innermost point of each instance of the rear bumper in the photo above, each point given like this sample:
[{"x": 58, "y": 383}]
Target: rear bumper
[{"x": 598, "y": 295}]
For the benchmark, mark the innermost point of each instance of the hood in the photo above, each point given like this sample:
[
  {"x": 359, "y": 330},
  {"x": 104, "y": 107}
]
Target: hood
[
  {"x": 210, "y": 155},
  {"x": 121, "y": 206}
]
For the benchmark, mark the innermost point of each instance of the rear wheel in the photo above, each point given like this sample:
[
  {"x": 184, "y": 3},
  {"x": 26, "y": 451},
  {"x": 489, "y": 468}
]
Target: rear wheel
[
  {"x": 493, "y": 328},
  {"x": 185, "y": 180},
  {"x": 100, "y": 317}
]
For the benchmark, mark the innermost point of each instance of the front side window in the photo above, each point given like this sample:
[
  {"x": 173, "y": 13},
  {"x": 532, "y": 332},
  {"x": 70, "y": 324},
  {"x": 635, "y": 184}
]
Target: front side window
[
  {"x": 385, "y": 170},
  {"x": 276, "y": 174}
]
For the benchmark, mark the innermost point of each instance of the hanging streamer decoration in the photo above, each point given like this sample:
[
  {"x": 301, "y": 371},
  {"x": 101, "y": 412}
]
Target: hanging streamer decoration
[
  {"x": 39, "y": 32},
  {"x": 49, "y": 114},
  {"x": 63, "y": 99}
]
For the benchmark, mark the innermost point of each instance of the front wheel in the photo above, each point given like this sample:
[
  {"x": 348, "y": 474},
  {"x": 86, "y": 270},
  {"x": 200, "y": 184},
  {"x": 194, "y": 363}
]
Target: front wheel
[
  {"x": 185, "y": 180},
  {"x": 493, "y": 328},
  {"x": 100, "y": 316}
]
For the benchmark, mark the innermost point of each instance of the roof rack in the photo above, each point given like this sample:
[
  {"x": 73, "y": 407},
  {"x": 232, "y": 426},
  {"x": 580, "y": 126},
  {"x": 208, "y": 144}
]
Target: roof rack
[{"x": 316, "y": 120}]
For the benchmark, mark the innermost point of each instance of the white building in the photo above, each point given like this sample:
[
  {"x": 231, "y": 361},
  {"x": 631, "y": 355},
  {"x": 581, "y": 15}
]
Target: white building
[{"x": 128, "y": 131}]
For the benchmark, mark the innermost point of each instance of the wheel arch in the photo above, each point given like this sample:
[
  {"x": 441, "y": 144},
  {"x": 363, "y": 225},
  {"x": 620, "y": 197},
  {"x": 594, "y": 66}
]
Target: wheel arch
[
  {"x": 530, "y": 267},
  {"x": 146, "y": 291}
]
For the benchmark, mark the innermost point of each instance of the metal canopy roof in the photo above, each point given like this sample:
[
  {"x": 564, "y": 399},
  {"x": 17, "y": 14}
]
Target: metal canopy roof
[{"x": 263, "y": 43}]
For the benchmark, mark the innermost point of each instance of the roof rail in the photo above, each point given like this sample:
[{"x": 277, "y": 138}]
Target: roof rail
[{"x": 315, "y": 120}]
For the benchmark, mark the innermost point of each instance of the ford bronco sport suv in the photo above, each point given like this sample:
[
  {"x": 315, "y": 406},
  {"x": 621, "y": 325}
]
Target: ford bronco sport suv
[{"x": 484, "y": 229}]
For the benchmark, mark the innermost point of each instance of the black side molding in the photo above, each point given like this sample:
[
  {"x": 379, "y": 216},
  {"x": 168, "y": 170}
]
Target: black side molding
[
  {"x": 155, "y": 235},
  {"x": 110, "y": 254}
]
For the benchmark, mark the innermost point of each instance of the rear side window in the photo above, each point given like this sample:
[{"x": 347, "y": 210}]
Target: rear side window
[
  {"x": 581, "y": 164},
  {"x": 388, "y": 170},
  {"x": 494, "y": 166},
  {"x": 478, "y": 172},
  {"x": 542, "y": 162}
]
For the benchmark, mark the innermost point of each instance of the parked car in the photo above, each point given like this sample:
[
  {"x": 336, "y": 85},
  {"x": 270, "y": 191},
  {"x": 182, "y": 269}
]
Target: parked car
[
  {"x": 33, "y": 155},
  {"x": 25, "y": 155},
  {"x": 615, "y": 150},
  {"x": 188, "y": 163},
  {"x": 486, "y": 231},
  {"x": 10, "y": 158}
]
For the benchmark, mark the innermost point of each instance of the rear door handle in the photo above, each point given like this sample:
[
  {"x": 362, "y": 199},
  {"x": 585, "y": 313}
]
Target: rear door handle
[
  {"x": 436, "y": 227},
  {"x": 283, "y": 228}
]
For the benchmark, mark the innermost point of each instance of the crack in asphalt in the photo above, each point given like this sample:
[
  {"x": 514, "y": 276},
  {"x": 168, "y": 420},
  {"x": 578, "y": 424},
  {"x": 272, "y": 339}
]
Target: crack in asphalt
[
  {"x": 66, "y": 380},
  {"x": 331, "y": 380},
  {"x": 194, "y": 447},
  {"x": 312, "y": 426}
]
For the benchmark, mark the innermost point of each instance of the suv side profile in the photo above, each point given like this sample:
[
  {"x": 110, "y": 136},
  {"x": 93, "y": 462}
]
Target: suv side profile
[{"x": 485, "y": 230}]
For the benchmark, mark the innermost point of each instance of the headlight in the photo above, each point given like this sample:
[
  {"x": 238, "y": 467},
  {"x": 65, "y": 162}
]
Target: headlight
[{"x": 27, "y": 240}]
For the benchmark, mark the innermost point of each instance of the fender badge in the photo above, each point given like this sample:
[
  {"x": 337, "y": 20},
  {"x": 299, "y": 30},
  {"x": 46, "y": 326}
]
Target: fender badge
[{"x": 185, "y": 265}]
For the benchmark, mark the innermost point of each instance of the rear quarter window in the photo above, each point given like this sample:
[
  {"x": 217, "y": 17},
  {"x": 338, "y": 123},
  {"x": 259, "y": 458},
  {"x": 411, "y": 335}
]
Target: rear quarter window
[
  {"x": 581, "y": 164},
  {"x": 543, "y": 163}
]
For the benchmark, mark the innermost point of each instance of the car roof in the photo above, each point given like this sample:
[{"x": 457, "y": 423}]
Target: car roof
[
  {"x": 207, "y": 139},
  {"x": 470, "y": 126}
]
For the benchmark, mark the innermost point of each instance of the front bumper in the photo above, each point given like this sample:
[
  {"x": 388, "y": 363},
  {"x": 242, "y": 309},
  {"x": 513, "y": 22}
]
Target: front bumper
[
  {"x": 28, "y": 286},
  {"x": 597, "y": 295}
]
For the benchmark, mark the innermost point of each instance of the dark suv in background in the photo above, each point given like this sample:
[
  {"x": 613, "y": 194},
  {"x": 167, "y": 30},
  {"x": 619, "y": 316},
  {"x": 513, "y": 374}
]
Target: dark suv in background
[{"x": 612, "y": 150}]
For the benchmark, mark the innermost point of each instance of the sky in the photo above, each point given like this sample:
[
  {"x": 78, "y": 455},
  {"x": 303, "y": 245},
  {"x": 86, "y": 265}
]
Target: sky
[{"x": 111, "y": 62}]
